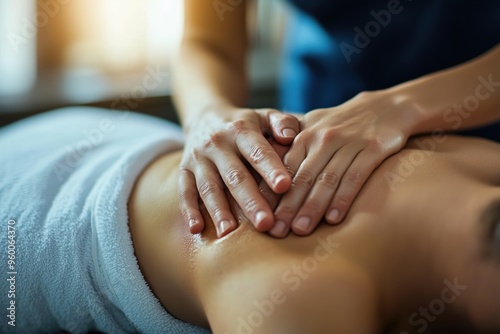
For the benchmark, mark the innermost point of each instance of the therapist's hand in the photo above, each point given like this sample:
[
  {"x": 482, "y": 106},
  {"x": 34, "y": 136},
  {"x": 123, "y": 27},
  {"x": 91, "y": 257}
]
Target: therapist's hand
[
  {"x": 219, "y": 147},
  {"x": 335, "y": 153}
]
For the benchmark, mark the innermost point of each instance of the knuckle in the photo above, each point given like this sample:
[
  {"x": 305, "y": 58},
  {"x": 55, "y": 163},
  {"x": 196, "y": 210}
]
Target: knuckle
[
  {"x": 239, "y": 125},
  {"x": 250, "y": 206},
  {"x": 375, "y": 145},
  {"x": 342, "y": 202},
  {"x": 195, "y": 159},
  {"x": 187, "y": 158},
  {"x": 217, "y": 213},
  {"x": 304, "y": 136},
  {"x": 258, "y": 154},
  {"x": 184, "y": 170},
  {"x": 266, "y": 111},
  {"x": 208, "y": 188},
  {"x": 185, "y": 194},
  {"x": 363, "y": 94},
  {"x": 290, "y": 170},
  {"x": 329, "y": 135},
  {"x": 235, "y": 178},
  {"x": 354, "y": 176},
  {"x": 247, "y": 113},
  {"x": 186, "y": 214},
  {"x": 215, "y": 139},
  {"x": 303, "y": 180},
  {"x": 330, "y": 179}
]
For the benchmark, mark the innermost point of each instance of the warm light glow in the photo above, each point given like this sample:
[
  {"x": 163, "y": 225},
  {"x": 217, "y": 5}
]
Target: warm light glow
[
  {"x": 165, "y": 22},
  {"x": 123, "y": 35}
]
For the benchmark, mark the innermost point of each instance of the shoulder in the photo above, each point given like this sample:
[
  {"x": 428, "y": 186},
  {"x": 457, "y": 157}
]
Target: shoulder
[
  {"x": 335, "y": 299},
  {"x": 276, "y": 297}
]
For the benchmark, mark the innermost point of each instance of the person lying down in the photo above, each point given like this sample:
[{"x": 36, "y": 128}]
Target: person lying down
[{"x": 98, "y": 243}]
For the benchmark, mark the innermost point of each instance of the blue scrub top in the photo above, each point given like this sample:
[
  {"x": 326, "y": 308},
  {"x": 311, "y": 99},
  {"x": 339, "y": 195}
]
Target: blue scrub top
[{"x": 336, "y": 49}]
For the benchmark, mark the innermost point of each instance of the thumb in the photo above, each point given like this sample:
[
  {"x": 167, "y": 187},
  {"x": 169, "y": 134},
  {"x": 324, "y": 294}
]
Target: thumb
[{"x": 284, "y": 127}]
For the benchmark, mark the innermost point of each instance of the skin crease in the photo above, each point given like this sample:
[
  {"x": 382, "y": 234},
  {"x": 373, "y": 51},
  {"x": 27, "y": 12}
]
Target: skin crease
[{"x": 393, "y": 253}]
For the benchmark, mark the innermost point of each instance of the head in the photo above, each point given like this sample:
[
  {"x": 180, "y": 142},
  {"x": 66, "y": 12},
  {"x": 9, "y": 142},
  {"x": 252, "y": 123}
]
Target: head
[{"x": 445, "y": 211}]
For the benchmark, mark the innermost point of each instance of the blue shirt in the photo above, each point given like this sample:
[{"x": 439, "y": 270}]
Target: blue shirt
[{"x": 335, "y": 49}]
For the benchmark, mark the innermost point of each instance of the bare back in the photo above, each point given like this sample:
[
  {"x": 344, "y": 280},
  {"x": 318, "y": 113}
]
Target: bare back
[{"x": 222, "y": 283}]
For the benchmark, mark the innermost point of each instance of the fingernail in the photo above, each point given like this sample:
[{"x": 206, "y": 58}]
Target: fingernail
[
  {"x": 192, "y": 223},
  {"x": 279, "y": 229},
  {"x": 333, "y": 216},
  {"x": 303, "y": 223},
  {"x": 288, "y": 133},
  {"x": 279, "y": 178},
  {"x": 223, "y": 227},
  {"x": 259, "y": 217}
]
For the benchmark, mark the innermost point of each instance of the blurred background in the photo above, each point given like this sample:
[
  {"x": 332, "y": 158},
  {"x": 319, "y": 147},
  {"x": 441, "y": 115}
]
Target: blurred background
[{"x": 111, "y": 53}]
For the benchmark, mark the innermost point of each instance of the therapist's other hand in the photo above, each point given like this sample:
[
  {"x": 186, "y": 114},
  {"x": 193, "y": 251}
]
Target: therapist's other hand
[
  {"x": 334, "y": 154},
  {"x": 219, "y": 145}
]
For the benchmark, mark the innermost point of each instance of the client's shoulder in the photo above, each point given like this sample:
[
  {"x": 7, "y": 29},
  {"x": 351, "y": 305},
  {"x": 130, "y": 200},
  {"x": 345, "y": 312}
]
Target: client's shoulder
[{"x": 264, "y": 285}]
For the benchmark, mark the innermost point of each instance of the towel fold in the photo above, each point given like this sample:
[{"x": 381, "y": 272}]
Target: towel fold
[{"x": 66, "y": 176}]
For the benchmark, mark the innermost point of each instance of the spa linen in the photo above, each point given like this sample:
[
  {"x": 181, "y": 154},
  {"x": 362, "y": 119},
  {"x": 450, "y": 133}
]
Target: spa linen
[{"x": 66, "y": 176}]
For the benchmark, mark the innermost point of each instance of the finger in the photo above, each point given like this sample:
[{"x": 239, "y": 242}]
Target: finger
[
  {"x": 284, "y": 214},
  {"x": 211, "y": 190},
  {"x": 292, "y": 160},
  {"x": 294, "y": 157},
  {"x": 279, "y": 229},
  {"x": 264, "y": 159},
  {"x": 269, "y": 195},
  {"x": 301, "y": 185},
  {"x": 243, "y": 187},
  {"x": 320, "y": 197},
  {"x": 284, "y": 127},
  {"x": 352, "y": 182},
  {"x": 188, "y": 201},
  {"x": 281, "y": 150}
]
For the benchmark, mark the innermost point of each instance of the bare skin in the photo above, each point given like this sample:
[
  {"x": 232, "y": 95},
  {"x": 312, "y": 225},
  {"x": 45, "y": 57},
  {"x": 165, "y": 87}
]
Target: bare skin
[
  {"x": 403, "y": 239},
  {"x": 335, "y": 149}
]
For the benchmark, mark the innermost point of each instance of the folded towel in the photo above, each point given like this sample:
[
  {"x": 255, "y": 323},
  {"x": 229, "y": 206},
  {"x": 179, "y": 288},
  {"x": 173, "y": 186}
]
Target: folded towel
[{"x": 66, "y": 176}]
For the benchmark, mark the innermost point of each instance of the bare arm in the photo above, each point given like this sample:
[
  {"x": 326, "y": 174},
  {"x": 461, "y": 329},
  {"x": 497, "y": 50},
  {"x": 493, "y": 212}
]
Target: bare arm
[
  {"x": 460, "y": 97},
  {"x": 221, "y": 136},
  {"x": 339, "y": 147},
  {"x": 212, "y": 61}
]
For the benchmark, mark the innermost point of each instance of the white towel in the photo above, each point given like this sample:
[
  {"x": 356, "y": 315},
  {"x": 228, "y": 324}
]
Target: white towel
[{"x": 65, "y": 180}]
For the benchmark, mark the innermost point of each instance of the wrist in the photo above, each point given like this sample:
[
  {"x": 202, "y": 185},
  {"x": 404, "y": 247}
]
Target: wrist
[
  {"x": 204, "y": 113},
  {"x": 407, "y": 107},
  {"x": 429, "y": 97}
]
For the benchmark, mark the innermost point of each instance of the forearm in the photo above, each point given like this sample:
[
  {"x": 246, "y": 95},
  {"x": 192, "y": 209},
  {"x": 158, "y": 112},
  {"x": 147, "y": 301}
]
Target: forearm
[
  {"x": 205, "y": 78},
  {"x": 210, "y": 71},
  {"x": 221, "y": 135},
  {"x": 461, "y": 97}
]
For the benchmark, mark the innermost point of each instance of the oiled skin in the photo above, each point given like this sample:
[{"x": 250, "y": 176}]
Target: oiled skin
[{"x": 404, "y": 235}]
